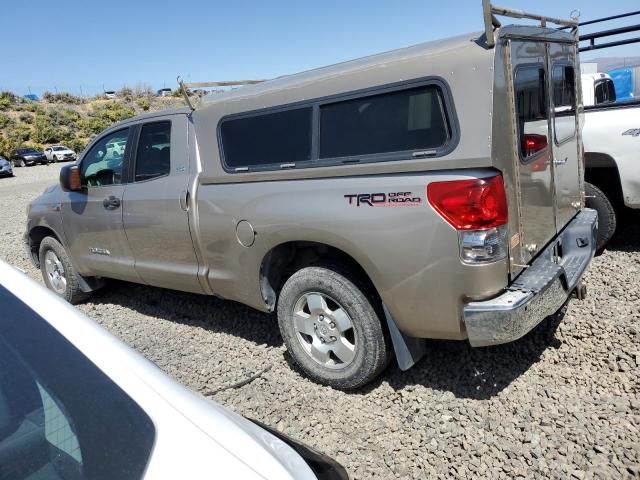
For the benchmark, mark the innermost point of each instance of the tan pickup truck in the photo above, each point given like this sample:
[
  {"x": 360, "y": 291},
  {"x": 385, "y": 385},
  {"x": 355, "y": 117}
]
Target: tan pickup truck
[{"x": 427, "y": 192}]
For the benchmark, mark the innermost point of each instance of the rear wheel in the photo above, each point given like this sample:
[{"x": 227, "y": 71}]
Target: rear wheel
[
  {"x": 596, "y": 199},
  {"x": 58, "y": 272},
  {"x": 331, "y": 328},
  {"x": 20, "y": 163}
]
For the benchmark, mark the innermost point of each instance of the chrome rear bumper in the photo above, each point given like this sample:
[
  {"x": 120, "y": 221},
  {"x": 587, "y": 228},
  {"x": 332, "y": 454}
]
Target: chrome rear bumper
[{"x": 540, "y": 290}]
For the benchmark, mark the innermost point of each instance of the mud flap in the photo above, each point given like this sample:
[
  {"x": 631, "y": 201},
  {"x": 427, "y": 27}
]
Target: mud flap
[{"x": 408, "y": 350}]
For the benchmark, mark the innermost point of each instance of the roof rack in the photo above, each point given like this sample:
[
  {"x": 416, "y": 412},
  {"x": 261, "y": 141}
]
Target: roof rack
[
  {"x": 592, "y": 37},
  {"x": 184, "y": 87},
  {"x": 490, "y": 21}
]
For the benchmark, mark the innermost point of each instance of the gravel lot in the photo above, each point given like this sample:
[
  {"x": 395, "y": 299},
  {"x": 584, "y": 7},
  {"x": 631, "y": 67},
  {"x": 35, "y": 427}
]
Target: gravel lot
[{"x": 563, "y": 402}]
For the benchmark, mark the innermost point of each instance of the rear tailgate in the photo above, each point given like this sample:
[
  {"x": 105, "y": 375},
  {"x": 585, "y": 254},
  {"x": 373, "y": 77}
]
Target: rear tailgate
[{"x": 548, "y": 171}]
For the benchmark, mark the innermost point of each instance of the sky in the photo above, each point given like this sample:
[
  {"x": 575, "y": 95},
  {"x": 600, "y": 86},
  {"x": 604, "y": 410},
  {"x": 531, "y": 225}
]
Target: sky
[{"x": 83, "y": 46}]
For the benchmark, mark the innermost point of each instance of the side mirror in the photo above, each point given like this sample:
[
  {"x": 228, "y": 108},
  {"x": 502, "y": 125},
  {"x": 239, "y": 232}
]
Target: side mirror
[{"x": 70, "y": 178}]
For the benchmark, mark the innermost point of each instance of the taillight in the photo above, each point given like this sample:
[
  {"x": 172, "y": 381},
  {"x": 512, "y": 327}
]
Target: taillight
[
  {"x": 478, "y": 209},
  {"x": 534, "y": 143}
]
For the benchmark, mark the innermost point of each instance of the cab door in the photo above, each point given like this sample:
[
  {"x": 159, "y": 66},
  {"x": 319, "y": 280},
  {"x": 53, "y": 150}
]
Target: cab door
[
  {"x": 157, "y": 204},
  {"x": 533, "y": 152},
  {"x": 92, "y": 217},
  {"x": 564, "y": 132}
]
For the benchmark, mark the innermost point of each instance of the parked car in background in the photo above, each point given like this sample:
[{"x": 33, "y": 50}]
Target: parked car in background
[
  {"x": 110, "y": 94},
  {"x": 76, "y": 403},
  {"x": 6, "y": 168},
  {"x": 31, "y": 96},
  {"x": 164, "y": 92},
  {"x": 27, "y": 156},
  {"x": 59, "y": 153}
]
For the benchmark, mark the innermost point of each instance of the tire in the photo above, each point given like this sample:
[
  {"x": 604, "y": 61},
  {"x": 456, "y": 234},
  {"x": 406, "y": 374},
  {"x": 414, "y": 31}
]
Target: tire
[
  {"x": 341, "y": 325},
  {"x": 20, "y": 163},
  {"x": 607, "y": 219},
  {"x": 58, "y": 273},
  {"x": 55, "y": 159}
]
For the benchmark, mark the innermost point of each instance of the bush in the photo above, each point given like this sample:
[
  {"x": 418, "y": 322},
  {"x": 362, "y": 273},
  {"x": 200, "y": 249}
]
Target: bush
[
  {"x": 62, "y": 98},
  {"x": 7, "y": 99},
  {"x": 144, "y": 103},
  {"x": 46, "y": 132},
  {"x": 26, "y": 118},
  {"x": 6, "y": 120}
]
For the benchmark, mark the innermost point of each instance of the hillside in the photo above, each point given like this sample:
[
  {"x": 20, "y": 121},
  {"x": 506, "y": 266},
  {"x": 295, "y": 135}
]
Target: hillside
[{"x": 67, "y": 119}]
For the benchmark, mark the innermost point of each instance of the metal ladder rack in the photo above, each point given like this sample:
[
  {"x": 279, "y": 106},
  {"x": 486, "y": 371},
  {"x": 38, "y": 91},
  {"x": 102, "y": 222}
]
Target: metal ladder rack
[
  {"x": 592, "y": 37},
  {"x": 490, "y": 20},
  {"x": 184, "y": 87}
]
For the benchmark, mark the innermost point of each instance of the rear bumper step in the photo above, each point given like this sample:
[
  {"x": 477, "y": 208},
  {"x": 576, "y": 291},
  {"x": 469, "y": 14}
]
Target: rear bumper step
[{"x": 540, "y": 290}]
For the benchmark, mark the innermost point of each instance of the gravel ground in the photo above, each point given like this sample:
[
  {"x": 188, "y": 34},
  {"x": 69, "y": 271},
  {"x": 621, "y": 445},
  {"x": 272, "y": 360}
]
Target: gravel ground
[{"x": 562, "y": 402}]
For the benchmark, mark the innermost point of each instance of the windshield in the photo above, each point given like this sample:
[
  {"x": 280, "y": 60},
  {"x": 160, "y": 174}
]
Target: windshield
[
  {"x": 61, "y": 416},
  {"x": 58, "y": 149},
  {"x": 22, "y": 151}
]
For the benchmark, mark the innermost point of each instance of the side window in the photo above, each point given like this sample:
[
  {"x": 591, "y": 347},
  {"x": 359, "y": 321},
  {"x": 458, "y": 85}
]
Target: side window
[
  {"x": 605, "y": 92},
  {"x": 564, "y": 102},
  {"x": 102, "y": 165},
  {"x": 531, "y": 107},
  {"x": 153, "y": 158},
  {"x": 412, "y": 119},
  {"x": 267, "y": 139}
]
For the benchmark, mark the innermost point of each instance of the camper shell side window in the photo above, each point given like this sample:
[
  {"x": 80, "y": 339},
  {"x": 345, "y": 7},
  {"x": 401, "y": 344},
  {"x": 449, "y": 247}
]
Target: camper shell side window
[{"x": 402, "y": 121}]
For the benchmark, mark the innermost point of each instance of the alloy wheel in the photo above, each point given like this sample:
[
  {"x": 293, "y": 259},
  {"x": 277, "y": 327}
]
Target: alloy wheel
[{"x": 325, "y": 330}]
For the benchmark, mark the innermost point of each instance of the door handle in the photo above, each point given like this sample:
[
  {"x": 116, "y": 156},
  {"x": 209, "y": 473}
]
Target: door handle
[
  {"x": 561, "y": 161},
  {"x": 184, "y": 200},
  {"x": 111, "y": 203}
]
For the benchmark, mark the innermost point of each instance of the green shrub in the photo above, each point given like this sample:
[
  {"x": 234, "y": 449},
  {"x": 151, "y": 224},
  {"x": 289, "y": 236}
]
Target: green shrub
[
  {"x": 144, "y": 103},
  {"x": 6, "y": 120},
  {"x": 7, "y": 99},
  {"x": 26, "y": 118},
  {"x": 62, "y": 98}
]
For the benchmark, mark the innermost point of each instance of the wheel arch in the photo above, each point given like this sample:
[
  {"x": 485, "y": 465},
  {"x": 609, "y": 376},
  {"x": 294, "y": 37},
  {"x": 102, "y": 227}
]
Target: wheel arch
[
  {"x": 35, "y": 237},
  {"x": 284, "y": 259},
  {"x": 601, "y": 170}
]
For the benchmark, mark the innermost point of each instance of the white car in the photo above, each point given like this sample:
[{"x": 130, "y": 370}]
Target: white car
[
  {"x": 59, "y": 153},
  {"x": 77, "y": 403}
]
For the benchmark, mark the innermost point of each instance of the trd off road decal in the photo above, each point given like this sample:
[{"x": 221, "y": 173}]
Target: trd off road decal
[{"x": 391, "y": 199}]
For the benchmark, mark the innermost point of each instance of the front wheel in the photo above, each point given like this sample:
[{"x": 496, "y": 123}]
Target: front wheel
[
  {"x": 20, "y": 163},
  {"x": 58, "y": 272},
  {"x": 596, "y": 199},
  {"x": 332, "y": 329}
]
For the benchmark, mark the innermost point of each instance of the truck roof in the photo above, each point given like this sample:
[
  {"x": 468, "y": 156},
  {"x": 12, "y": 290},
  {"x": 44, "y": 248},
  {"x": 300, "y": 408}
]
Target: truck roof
[{"x": 427, "y": 49}]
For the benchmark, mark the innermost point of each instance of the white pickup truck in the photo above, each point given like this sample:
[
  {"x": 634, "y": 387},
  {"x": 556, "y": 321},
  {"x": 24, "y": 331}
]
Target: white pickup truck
[{"x": 611, "y": 137}]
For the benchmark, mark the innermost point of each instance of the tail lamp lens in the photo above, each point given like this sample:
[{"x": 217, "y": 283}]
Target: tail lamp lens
[
  {"x": 470, "y": 204},
  {"x": 477, "y": 208}
]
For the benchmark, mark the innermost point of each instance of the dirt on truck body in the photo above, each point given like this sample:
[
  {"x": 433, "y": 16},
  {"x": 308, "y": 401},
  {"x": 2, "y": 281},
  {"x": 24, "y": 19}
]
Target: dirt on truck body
[{"x": 429, "y": 192}]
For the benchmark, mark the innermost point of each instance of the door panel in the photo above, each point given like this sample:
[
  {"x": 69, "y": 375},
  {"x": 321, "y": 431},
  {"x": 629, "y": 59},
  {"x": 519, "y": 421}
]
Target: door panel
[
  {"x": 95, "y": 236},
  {"x": 562, "y": 86},
  {"x": 156, "y": 220},
  {"x": 532, "y": 116}
]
